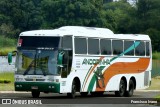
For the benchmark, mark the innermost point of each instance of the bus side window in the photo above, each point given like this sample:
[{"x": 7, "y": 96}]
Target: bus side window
[
  {"x": 67, "y": 42},
  {"x": 117, "y": 46},
  {"x": 127, "y": 45},
  {"x": 93, "y": 46},
  {"x": 140, "y": 49},
  {"x": 80, "y": 45},
  {"x": 105, "y": 47},
  {"x": 67, "y": 58}
]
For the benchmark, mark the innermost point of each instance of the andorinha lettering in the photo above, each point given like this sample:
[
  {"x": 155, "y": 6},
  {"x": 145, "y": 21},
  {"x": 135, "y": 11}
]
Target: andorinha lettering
[{"x": 95, "y": 61}]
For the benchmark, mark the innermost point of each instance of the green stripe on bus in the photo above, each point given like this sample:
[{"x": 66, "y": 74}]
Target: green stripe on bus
[
  {"x": 91, "y": 84},
  {"x": 93, "y": 80},
  {"x": 86, "y": 77}
]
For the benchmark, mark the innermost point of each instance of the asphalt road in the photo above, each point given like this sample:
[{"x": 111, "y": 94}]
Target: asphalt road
[{"x": 61, "y": 100}]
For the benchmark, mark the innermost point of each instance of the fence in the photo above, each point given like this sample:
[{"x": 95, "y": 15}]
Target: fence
[
  {"x": 4, "y": 66},
  {"x": 155, "y": 68}
]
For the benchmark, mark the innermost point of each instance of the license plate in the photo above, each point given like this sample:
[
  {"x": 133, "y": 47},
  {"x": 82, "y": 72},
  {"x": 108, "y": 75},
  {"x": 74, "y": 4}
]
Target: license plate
[{"x": 34, "y": 87}]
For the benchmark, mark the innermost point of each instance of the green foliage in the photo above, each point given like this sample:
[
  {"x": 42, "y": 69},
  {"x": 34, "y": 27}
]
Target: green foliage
[
  {"x": 7, "y": 42},
  {"x": 5, "y": 81},
  {"x": 156, "y": 55},
  {"x": 121, "y": 17},
  {"x": 155, "y": 37},
  {"x": 7, "y": 45}
]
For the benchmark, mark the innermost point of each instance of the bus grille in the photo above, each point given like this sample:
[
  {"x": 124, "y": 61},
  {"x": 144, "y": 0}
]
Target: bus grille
[{"x": 35, "y": 79}]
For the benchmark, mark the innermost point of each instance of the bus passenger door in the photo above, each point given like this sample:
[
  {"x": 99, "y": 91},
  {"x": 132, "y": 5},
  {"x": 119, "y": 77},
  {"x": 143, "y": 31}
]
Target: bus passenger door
[
  {"x": 66, "y": 63},
  {"x": 65, "y": 69},
  {"x": 67, "y": 47}
]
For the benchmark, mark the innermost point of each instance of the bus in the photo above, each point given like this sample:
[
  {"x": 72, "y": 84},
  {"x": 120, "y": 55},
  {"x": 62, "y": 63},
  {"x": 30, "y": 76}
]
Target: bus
[{"x": 88, "y": 60}]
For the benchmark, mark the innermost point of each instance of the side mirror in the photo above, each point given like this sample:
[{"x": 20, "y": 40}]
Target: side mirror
[
  {"x": 60, "y": 59},
  {"x": 10, "y": 58}
]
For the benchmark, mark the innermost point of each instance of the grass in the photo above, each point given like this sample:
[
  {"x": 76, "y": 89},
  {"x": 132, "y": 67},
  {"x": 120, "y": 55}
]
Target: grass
[
  {"x": 155, "y": 84},
  {"x": 9, "y": 76},
  {"x": 4, "y": 51},
  {"x": 7, "y": 45},
  {"x": 157, "y": 98}
]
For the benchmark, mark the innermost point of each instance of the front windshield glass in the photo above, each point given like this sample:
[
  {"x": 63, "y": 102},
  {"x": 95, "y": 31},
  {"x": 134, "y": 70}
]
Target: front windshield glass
[{"x": 37, "y": 62}]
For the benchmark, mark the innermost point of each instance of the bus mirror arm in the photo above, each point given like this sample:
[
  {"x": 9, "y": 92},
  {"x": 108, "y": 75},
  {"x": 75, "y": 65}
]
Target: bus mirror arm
[{"x": 61, "y": 66}]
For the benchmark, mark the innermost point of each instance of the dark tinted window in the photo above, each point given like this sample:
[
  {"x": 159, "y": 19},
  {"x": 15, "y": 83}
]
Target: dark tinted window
[
  {"x": 117, "y": 46},
  {"x": 93, "y": 46},
  {"x": 105, "y": 47},
  {"x": 80, "y": 46},
  {"x": 147, "y": 49},
  {"x": 140, "y": 49},
  {"x": 32, "y": 41},
  {"x": 129, "y": 47},
  {"x": 67, "y": 42}
]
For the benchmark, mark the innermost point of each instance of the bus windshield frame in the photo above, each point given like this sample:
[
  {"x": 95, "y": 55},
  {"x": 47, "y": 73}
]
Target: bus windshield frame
[{"x": 37, "y": 56}]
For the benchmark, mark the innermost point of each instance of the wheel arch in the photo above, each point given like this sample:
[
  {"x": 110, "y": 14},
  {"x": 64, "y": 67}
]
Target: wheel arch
[{"x": 78, "y": 84}]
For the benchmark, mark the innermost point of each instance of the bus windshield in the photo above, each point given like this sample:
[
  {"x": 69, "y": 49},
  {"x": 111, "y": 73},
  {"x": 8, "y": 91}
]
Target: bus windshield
[{"x": 37, "y": 62}]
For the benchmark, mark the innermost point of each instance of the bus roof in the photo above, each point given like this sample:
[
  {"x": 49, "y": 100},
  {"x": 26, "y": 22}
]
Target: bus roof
[{"x": 84, "y": 32}]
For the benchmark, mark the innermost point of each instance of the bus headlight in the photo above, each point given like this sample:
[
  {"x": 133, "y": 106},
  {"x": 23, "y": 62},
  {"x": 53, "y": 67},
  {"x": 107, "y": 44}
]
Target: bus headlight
[
  {"x": 57, "y": 80},
  {"x": 19, "y": 79},
  {"x": 53, "y": 80}
]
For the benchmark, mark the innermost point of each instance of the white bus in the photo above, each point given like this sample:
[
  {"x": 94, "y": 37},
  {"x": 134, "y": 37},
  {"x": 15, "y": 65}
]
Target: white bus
[{"x": 75, "y": 59}]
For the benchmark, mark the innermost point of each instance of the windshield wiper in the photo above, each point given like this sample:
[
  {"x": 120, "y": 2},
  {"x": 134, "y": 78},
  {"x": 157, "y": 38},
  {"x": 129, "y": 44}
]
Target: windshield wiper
[
  {"x": 35, "y": 62},
  {"x": 43, "y": 71},
  {"x": 29, "y": 67}
]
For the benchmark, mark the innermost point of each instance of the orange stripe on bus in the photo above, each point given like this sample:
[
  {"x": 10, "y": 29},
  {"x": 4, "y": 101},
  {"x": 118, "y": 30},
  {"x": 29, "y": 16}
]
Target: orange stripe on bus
[
  {"x": 124, "y": 68},
  {"x": 92, "y": 71}
]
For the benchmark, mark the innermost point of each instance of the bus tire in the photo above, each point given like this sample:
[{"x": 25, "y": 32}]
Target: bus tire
[
  {"x": 84, "y": 94},
  {"x": 122, "y": 89},
  {"x": 35, "y": 93},
  {"x": 73, "y": 91},
  {"x": 130, "y": 92}
]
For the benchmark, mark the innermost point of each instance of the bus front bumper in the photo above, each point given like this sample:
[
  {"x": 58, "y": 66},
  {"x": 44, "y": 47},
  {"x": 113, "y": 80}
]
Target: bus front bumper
[{"x": 39, "y": 86}]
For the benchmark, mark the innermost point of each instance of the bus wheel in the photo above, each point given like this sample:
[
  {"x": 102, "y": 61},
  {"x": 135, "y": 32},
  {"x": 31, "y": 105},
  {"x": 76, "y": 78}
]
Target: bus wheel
[
  {"x": 130, "y": 92},
  {"x": 84, "y": 94},
  {"x": 122, "y": 89},
  {"x": 35, "y": 93},
  {"x": 73, "y": 92}
]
